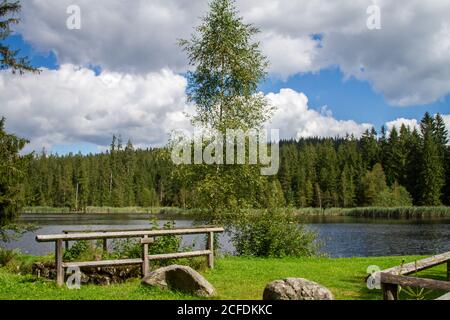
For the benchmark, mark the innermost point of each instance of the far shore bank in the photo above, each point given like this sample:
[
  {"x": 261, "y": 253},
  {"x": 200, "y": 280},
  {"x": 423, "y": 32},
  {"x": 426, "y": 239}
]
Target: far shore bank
[{"x": 366, "y": 212}]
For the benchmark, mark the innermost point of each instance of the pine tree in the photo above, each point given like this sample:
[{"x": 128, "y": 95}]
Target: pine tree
[
  {"x": 413, "y": 165},
  {"x": 9, "y": 59},
  {"x": 12, "y": 174},
  {"x": 394, "y": 159},
  {"x": 374, "y": 182},
  {"x": 370, "y": 150},
  {"x": 347, "y": 188},
  {"x": 431, "y": 174}
]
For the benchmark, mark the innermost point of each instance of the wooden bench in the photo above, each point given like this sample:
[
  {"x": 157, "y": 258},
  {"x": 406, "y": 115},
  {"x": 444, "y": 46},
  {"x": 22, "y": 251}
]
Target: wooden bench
[{"x": 147, "y": 237}]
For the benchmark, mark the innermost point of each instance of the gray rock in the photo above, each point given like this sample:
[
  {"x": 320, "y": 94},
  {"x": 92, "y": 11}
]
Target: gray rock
[
  {"x": 296, "y": 289},
  {"x": 180, "y": 278}
]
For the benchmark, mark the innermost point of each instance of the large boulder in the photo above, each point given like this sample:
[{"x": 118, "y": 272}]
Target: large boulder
[
  {"x": 296, "y": 289},
  {"x": 180, "y": 278}
]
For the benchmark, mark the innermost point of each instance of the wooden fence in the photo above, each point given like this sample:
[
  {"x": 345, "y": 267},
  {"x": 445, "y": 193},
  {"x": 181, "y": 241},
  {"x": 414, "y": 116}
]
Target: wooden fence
[
  {"x": 146, "y": 238},
  {"x": 394, "y": 277}
]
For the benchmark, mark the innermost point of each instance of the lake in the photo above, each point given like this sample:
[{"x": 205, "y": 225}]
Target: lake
[{"x": 341, "y": 236}]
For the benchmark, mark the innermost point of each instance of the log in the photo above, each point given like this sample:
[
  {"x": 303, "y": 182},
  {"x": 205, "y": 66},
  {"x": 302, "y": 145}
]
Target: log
[
  {"x": 124, "y": 234},
  {"x": 102, "y": 263},
  {"x": 178, "y": 255},
  {"x": 405, "y": 281},
  {"x": 134, "y": 229},
  {"x": 420, "y": 265}
]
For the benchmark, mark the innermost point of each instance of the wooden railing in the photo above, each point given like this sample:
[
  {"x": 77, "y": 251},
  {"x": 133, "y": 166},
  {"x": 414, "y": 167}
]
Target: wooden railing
[
  {"x": 147, "y": 237},
  {"x": 394, "y": 277}
]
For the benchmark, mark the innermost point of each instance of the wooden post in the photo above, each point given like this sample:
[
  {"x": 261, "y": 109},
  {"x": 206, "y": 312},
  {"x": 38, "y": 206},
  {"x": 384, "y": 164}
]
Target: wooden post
[
  {"x": 390, "y": 291},
  {"x": 66, "y": 243},
  {"x": 211, "y": 248},
  {"x": 145, "y": 262},
  {"x": 448, "y": 270},
  {"x": 105, "y": 245},
  {"x": 58, "y": 262}
]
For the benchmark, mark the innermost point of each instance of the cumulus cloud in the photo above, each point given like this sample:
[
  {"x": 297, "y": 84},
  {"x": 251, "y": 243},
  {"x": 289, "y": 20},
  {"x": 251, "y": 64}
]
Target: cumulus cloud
[
  {"x": 397, "y": 123},
  {"x": 73, "y": 105},
  {"x": 413, "y": 123},
  {"x": 135, "y": 38},
  {"x": 407, "y": 60},
  {"x": 296, "y": 119}
]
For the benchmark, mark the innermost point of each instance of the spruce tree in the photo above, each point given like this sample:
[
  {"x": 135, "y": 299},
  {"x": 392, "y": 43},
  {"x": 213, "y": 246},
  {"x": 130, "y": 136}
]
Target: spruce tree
[
  {"x": 431, "y": 174},
  {"x": 10, "y": 59},
  {"x": 12, "y": 174}
]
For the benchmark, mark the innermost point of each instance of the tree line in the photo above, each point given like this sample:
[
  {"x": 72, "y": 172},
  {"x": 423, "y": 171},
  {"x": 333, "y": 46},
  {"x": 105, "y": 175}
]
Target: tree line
[{"x": 397, "y": 168}]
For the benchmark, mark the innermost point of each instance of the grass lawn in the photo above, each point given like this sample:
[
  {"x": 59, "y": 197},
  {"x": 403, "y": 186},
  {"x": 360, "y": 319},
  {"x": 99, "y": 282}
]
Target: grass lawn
[{"x": 234, "y": 278}]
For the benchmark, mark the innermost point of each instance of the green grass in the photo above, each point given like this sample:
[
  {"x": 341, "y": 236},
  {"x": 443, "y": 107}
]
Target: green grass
[
  {"x": 234, "y": 278},
  {"x": 381, "y": 212}
]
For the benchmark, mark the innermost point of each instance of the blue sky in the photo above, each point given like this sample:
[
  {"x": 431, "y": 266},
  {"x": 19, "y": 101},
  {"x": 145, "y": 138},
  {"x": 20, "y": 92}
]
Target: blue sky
[{"x": 70, "y": 111}]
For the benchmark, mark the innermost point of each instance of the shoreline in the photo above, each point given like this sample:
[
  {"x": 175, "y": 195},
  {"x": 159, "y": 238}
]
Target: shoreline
[{"x": 364, "y": 212}]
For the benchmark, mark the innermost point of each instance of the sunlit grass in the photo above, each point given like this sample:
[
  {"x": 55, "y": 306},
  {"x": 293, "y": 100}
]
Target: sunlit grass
[{"x": 234, "y": 278}]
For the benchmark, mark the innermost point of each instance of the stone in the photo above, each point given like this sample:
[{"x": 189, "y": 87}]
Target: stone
[
  {"x": 182, "y": 278},
  {"x": 296, "y": 289},
  {"x": 44, "y": 270}
]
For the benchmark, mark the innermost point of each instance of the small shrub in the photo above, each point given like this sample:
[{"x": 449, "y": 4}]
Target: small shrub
[
  {"x": 165, "y": 244},
  {"x": 7, "y": 256},
  {"x": 273, "y": 234},
  {"x": 77, "y": 250},
  {"x": 126, "y": 249}
]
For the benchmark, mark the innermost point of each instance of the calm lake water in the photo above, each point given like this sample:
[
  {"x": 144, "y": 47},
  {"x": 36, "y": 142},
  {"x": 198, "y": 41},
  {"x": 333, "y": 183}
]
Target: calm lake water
[{"x": 341, "y": 236}]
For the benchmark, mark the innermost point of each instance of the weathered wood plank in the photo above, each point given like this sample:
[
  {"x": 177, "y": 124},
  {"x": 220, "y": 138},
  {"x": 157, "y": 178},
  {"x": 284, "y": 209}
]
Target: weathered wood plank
[
  {"x": 405, "y": 281},
  {"x": 210, "y": 247},
  {"x": 134, "y": 229},
  {"x": 419, "y": 265},
  {"x": 103, "y": 263},
  {"x": 59, "y": 262},
  {"x": 145, "y": 262},
  {"x": 147, "y": 240},
  {"x": 124, "y": 234},
  {"x": 179, "y": 255}
]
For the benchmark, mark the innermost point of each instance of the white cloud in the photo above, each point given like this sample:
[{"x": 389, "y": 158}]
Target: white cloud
[
  {"x": 296, "y": 119},
  {"x": 414, "y": 123},
  {"x": 72, "y": 105},
  {"x": 289, "y": 55},
  {"x": 407, "y": 60},
  {"x": 397, "y": 123},
  {"x": 139, "y": 38}
]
